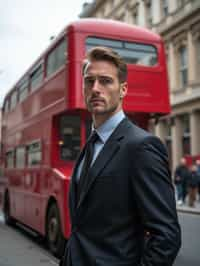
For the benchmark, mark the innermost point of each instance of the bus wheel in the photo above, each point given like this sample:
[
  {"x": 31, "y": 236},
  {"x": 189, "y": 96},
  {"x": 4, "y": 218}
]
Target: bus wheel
[
  {"x": 55, "y": 239},
  {"x": 8, "y": 219}
]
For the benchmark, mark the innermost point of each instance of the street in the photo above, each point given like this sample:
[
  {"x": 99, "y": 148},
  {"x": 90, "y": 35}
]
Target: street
[
  {"x": 19, "y": 248},
  {"x": 189, "y": 254}
]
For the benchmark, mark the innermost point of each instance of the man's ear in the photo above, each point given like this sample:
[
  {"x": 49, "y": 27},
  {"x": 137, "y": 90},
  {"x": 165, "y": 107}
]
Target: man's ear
[{"x": 123, "y": 90}]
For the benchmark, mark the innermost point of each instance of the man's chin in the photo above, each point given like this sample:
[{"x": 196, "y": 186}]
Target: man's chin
[{"x": 97, "y": 111}]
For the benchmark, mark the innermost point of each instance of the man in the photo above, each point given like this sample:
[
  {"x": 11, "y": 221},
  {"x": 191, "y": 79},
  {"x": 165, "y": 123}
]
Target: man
[
  {"x": 181, "y": 180},
  {"x": 192, "y": 185},
  {"x": 124, "y": 214},
  {"x": 198, "y": 173}
]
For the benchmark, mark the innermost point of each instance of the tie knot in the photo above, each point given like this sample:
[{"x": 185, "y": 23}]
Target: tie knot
[{"x": 93, "y": 137}]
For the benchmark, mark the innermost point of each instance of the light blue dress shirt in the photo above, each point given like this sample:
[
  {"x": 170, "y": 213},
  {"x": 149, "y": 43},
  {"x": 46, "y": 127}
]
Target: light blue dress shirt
[{"x": 104, "y": 132}]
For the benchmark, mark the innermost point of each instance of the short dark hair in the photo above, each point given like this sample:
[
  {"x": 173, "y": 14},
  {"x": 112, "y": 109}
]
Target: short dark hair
[{"x": 107, "y": 54}]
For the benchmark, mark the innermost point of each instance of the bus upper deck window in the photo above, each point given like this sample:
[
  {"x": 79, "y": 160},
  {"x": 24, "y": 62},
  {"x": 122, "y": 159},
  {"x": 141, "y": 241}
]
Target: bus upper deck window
[
  {"x": 132, "y": 52},
  {"x": 57, "y": 57}
]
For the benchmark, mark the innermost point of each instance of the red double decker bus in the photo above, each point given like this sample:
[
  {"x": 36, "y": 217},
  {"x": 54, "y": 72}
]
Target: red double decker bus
[{"x": 45, "y": 123}]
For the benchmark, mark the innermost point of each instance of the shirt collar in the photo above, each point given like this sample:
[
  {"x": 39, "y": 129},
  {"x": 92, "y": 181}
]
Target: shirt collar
[{"x": 106, "y": 129}]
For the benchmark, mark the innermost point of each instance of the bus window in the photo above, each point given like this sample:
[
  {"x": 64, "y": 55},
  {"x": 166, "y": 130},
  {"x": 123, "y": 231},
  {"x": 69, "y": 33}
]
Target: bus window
[
  {"x": 23, "y": 89},
  {"x": 133, "y": 53},
  {"x": 36, "y": 76},
  {"x": 69, "y": 137},
  {"x": 20, "y": 157},
  {"x": 10, "y": 159},
  {"x": 57, "y": 57},
  {"x": 34, "y": 153},
  {"x": 6, "y": 106},
  {"x": 13, "y": 100}
]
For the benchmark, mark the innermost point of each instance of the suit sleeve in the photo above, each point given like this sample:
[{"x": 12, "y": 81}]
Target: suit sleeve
[{"x": 154, "y": 194}]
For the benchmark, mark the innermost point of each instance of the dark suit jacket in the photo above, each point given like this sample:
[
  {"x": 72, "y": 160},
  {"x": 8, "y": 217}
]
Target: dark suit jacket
[{"x": 126, "y": 216}]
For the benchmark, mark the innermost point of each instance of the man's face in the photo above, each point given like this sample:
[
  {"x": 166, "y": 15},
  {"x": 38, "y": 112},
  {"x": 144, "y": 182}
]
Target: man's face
[{"x": 102, "y": 90}]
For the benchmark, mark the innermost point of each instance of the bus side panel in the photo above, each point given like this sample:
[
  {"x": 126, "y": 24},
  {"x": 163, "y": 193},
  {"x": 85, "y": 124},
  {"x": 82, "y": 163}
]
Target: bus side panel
[
  {"x": 3, "y": 185},
  {"x": 34, "y": 175},
  {"x": 16, "y": 197},
  {"x": 146, "y": 91}
]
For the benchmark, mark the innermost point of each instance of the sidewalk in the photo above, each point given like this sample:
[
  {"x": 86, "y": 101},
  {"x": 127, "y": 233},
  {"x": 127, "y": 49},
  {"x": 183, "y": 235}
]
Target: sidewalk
[{"x": 185, "y": 208}]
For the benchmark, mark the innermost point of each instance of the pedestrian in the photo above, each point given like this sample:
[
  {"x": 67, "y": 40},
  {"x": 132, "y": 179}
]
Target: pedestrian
[
  {"x": 180, "y": 180},
  {"x": 122, "y": 203},
  {"x": 198, "y": 173},
  {"x": 193, "y": 185}
]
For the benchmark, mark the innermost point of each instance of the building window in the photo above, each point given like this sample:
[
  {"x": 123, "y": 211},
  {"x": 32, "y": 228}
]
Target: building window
[
  {"x": 23, "y": 89},
  {"x": 149, "y": 8},
  {"x": 13, "y": 100},
  {"x": 10, "y": 159},
  {"x": 34, "y": 153},
  {"x": 6, "y": 106},
  {"x": 136, "y": 17},
  {"x": 57, "y": 57},
  {"x": 165, "y": 7},
  {"x": 36, "y": 76},
  {"x": 183, "y": 66},
  {"x": 20, "y": 157},
  {"x": 186, "y": 134}
]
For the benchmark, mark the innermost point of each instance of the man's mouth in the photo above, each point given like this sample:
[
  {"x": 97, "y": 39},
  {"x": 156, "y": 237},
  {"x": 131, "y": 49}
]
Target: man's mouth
[{"x": 96, "y": 100}]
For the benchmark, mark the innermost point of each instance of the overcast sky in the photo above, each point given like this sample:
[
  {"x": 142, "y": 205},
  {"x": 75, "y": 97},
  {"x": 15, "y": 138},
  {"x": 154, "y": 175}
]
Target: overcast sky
[{"x": 25, "y": 30}]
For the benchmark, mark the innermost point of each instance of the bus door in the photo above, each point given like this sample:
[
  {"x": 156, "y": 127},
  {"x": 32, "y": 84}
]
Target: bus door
[{"x": 69, "y": 138}]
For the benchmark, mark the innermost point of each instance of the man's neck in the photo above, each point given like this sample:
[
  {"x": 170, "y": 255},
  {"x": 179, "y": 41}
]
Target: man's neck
[{"x": 98, "y": 120}]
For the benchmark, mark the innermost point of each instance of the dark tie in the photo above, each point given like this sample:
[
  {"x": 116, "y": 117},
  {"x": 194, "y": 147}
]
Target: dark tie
[{"x": 89, "y": 152}]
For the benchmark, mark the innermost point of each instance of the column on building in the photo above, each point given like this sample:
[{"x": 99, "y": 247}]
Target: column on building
[
  {"x": 142, "y": 14},
  {"x": 177, "y": 134},
  {"x": 194, "y": 132},
  {"x": 191, "y": 58},
  {"x": 0, "y": 125},
  {"x": 163, "y": 131},
  {"x": 172, "y": 67},
  {"x": 196, "y": 42},
  {"x": 160, "y": 130}
]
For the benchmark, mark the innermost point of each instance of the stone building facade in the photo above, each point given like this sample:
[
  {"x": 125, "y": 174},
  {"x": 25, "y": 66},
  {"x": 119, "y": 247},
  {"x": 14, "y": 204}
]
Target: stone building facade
[
  {"x": 0, "y": 124},
  {"x": 178, "y": 22},
  {"x": 0, "y": 137}
]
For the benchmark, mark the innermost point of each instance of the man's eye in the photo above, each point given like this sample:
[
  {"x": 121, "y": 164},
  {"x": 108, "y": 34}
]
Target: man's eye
[
  {"x": 105, "y": 80},
  {"x": 89, "y": 81}
]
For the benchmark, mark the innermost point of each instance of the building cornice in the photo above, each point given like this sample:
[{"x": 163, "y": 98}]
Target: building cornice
[
  {"x": 91, "y": 8},
  {"x": 177, "y": 20},
  {"x": 189, "y": 96}
]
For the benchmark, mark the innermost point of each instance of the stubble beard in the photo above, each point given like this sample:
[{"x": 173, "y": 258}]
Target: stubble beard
[{"x": 105, "y": 113}]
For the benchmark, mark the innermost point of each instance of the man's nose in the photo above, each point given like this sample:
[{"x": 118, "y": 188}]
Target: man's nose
[{"x": 95, "y": 86}]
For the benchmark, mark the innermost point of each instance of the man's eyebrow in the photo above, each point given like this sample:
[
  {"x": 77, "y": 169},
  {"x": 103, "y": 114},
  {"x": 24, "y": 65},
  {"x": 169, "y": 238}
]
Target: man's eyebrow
[{"x": 91, "y": 75}]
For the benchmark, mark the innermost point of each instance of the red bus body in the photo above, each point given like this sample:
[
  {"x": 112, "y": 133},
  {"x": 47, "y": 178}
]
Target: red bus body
[{"x": 32, "y": 127}]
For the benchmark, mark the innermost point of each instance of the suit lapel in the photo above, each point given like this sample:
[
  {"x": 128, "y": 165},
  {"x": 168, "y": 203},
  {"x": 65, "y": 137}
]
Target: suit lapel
[{"x": 109, "y": 150}]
